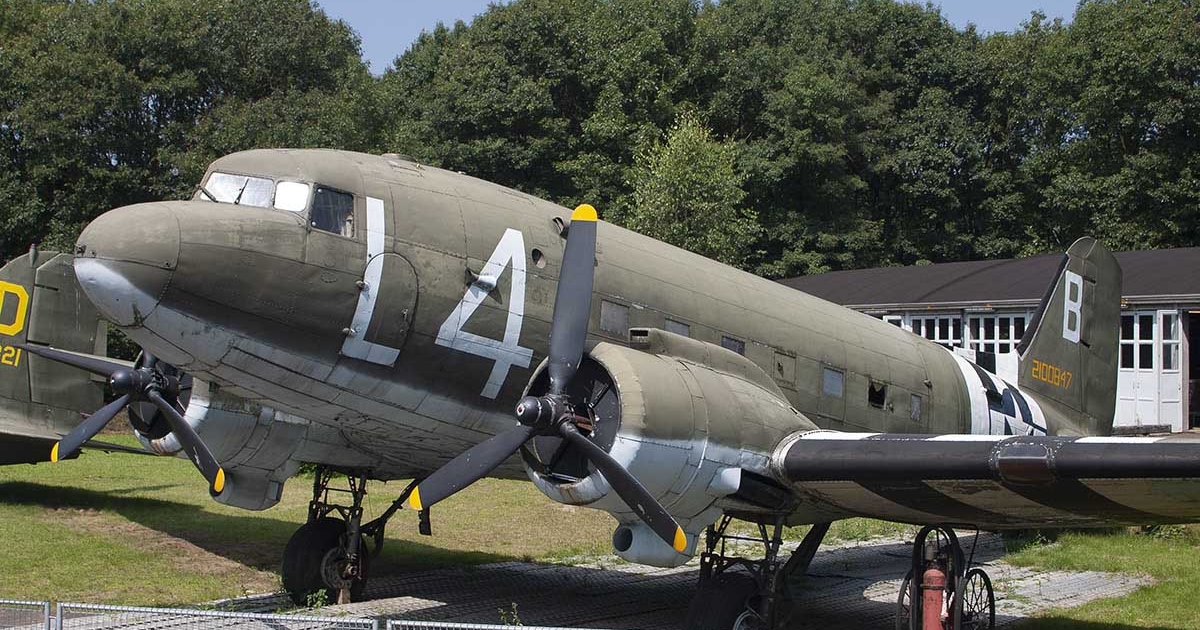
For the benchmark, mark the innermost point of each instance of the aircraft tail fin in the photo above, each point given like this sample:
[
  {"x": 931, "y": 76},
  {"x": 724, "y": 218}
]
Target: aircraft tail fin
[
  {"x": 1068, "y": 355},
  {"x": 40, "y": 302}
]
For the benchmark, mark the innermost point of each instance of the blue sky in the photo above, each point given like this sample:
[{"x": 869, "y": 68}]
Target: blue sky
[{"x": 389, "y": 27}]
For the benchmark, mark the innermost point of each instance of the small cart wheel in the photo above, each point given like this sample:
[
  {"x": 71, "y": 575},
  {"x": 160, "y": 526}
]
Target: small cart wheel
[
  {"x": 904, "y": 604},
  {"x": 975, "y": 602}
]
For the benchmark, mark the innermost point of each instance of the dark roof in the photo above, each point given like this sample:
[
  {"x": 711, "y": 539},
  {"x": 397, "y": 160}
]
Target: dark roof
[{"x": 1163, "y": 275}]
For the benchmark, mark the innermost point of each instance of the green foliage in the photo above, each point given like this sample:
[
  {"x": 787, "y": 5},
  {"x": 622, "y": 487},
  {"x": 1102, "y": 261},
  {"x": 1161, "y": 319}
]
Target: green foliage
[
  {"x": 687, "y": 192},
  {"x": 836, "y": 133},
  {"x": 509, "y": 617},
  {"x": 115, "y": 102}
]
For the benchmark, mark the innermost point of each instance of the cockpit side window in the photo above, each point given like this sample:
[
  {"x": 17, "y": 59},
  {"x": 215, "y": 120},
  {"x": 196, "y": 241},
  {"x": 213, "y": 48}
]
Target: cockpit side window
[
  {"x": 291, "y": 196},
  {"x": 333, "y": 211},
  {"x": 244, "y": 189}
]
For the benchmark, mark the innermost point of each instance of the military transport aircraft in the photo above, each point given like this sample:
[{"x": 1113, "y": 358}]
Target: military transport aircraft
[{"x": 382, "y": 319}]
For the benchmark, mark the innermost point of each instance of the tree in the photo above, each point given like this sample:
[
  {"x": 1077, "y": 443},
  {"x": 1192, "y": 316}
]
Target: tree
[
  {"x": 687, "y": 192},
  {"x": 115, "y": 102}
]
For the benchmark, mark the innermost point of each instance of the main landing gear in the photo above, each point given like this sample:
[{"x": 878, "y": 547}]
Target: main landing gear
[
  {"x": 754, "y": 597},
  {"x": 326, "y": 561},
  {"x": 950, "y": 594}
]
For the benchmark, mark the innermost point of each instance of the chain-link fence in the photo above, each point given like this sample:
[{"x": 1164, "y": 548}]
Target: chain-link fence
[
  {"x": 95, "y": 617},
  {"x": 18, "y": 614},
  {"x": 401, "y": 624}
]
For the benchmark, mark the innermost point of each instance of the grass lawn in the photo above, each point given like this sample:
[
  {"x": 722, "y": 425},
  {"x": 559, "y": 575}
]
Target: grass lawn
[
  {"x": 128, "y": 529},
  {"x": 1171, "y": 556}
]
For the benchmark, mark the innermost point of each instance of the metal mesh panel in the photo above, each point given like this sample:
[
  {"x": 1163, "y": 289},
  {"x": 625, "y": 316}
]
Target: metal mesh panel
[
  {"x": 400, "y": 624},
  {"x": 23, "y": 615},
  {"x": 89, "y": 617}
]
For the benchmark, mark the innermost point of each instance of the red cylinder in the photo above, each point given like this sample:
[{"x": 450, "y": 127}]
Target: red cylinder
[{"x": 933, "y": 589}]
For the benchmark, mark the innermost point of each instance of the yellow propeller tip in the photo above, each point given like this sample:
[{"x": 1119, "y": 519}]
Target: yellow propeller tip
[
  {"x": 414, "y": 499},
  {"x": 219, "y": 481},
  {"x": 54, "y": 452},
  {"x": 680, "y": 543},
  {"x": 584, "y": 212}
]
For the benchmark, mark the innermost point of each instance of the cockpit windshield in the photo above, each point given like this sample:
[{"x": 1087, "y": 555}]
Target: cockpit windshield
[
  {"x": 252, "y": 191},
  {"x": 332, "y": 210}
]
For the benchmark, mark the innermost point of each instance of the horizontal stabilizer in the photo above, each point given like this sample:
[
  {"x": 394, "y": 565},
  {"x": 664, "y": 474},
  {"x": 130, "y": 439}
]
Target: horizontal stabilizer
[{"x": 996, "y": 481}]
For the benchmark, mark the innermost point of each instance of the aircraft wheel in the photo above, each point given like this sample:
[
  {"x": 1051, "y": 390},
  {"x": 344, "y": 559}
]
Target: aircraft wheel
[
  {"x": 721, "y": 604},
  {"x": 310, "y": 549}
]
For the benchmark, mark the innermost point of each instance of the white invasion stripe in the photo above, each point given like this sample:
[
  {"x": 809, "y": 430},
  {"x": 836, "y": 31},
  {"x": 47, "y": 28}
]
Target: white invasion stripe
[
  {"x": 1118, "y": 440},
  {"x": 968, "y": 437},
  {"x": 837, "y": 435}
]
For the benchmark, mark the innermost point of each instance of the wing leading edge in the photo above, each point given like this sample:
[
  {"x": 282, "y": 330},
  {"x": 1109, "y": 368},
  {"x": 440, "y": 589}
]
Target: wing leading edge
[{"x": 995, "y": 481}]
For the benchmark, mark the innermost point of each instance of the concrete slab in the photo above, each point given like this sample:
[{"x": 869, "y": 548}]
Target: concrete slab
[{"x": 851, "y": 586}]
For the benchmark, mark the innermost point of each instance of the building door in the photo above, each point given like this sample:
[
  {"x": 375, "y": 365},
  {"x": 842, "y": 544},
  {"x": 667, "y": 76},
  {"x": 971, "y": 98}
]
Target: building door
[
  {"x": 1170, "y": 379},
  {"x": 1137, "y": 379}
]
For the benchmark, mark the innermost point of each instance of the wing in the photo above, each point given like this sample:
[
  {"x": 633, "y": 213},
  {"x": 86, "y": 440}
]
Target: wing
[{"x": 994, "y": 481}]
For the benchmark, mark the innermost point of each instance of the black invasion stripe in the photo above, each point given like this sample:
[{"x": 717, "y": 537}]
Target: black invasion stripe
[
  {"x": 987, "y": 382},
  {"x": 920, "y": 496},
  {"x": 1072, "y": 495},
  {"x": 1023, "y": 405}
]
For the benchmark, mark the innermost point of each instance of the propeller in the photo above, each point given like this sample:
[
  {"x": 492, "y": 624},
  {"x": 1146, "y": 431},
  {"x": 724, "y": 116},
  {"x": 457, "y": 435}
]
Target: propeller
[
  {"x": 148, "y": 384},
  {"x": 553, "y": 413}
]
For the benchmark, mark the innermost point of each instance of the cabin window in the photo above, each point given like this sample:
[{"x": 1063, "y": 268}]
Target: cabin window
[
  {"x": 832, "y": 382},
  {"x": 240, "y": 189},
  {"x": 877, "y": 394},
  {"x": 333, "y": 211},
  {"x": 914, "y": 408},
  {"x": 737, "y": 345},
  {"x": 291, "y": 196},
  {"x": 614, "y": 318},
  {"x": 679, "y": 328}
]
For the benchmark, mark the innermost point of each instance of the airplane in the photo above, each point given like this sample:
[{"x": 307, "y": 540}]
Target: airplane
[{"x": 385, "y": 319}]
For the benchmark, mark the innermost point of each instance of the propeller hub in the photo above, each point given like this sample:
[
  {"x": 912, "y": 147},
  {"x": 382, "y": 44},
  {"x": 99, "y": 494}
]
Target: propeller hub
[
  {"x": 124, "y": 381},
  {"x": 138, "y": 383},
  {"x": 535, "y": 411}
]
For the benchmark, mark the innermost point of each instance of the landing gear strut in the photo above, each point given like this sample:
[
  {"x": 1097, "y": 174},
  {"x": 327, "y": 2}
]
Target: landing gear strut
[
  {"x": 942, "y": 591},
  {"x": 326, "y": 561},
  {"x": 753, "y": 598}
]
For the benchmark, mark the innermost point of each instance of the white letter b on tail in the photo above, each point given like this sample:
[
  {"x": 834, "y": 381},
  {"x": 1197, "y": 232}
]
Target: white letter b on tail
[{"x": 1072, "y": 306}]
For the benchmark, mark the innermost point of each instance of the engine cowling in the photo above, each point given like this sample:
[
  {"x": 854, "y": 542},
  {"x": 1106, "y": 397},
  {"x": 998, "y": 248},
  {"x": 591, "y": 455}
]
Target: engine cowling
[
  {"x": 259, "y": 447},
  {"x": 685, "y": 417}
]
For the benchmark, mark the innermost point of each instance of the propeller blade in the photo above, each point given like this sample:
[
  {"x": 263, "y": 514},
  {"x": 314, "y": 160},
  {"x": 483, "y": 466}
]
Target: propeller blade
[
  {"x": 192, "y": 444},
  {"x": 573, "y": 300},
  {"x": 470, "y": 466},
  {"x": 91, "y": 364},
  {"x": 629, "y": 489},
  {"x": 87, "y": 430}
]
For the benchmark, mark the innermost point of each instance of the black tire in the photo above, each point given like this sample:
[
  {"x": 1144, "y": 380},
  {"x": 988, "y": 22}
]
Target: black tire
[
  {"x": 975, "y": 602},
  {"x": 904, "y": 604},
  {"x": 718, "y": 605},
  {"x": 302, "y": 559}
]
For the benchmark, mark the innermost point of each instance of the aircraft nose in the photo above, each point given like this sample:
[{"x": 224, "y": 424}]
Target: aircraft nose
[{"x": 125, "y": 258}]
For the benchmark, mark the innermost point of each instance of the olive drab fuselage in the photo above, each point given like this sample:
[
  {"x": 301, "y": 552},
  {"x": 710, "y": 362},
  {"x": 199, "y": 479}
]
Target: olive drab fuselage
[{"x": 413, "y": 326}]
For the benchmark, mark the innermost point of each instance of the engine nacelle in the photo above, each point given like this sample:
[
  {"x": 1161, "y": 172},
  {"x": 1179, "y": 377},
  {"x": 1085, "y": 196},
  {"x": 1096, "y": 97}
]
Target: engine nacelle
[
  {"x": 685, "y": 417},
  {"x": 258, "y": 447}
]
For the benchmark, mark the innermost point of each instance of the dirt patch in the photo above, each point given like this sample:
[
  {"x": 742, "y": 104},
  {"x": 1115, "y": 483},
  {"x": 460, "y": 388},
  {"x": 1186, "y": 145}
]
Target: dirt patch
[{"x": 183, "y": 555}]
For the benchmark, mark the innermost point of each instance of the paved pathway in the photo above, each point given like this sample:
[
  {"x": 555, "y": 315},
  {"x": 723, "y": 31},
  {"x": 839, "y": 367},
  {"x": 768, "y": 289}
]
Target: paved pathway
[{"x": 853, "y": 585}]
